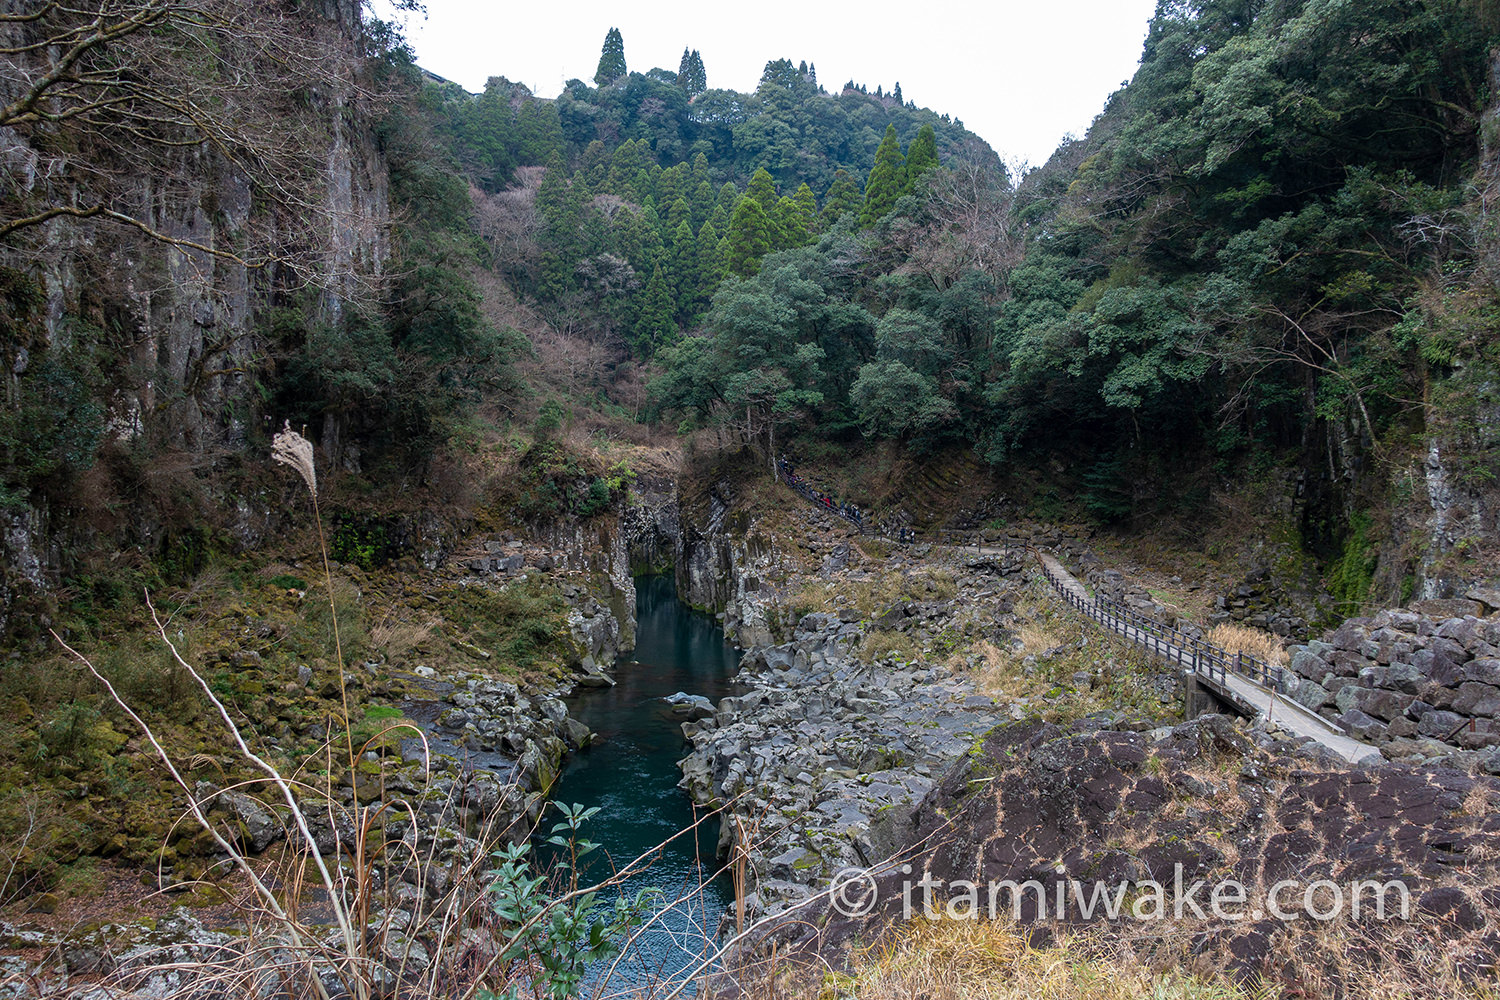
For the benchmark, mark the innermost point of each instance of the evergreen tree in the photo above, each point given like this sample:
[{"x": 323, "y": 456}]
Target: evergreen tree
[
  {"x": 654, "y": 325},
  {"x": 700, "y": 74},
  {"x": 720, "y": 219},
  {"x": 921, "y": 156},
  {"x": 652, "y": 246},
  {"x": 842, "y": 197},
  {"x": 683, "y": 267},
  {"x": 886, "y": 180},
  {"x": 702, "y": 202},
  {"x": 596, "y": 165},
  {"x": 552, "y": 195},
  {"x": 729, "y": 196},
  {"x": 625, "y": 238},
  {"x": 677, "y": 214},
  {"x": 750, "y": 237},
  {"x": 671, "y": 185},
  {"x": 791, "y": 226},
  {"x": 762, "y": 188},
  {"x": 896, "y": 94},
  {"x": 807, "y": 209},
  {"x": 712, "y": 264},
  {"x": 538, "y": 134},
  {"x": 690, "y": 74},
  {"x": 611, "y": 59},
  {"x": 701, "y": 169},
  {"x": 559, "y": 242}
]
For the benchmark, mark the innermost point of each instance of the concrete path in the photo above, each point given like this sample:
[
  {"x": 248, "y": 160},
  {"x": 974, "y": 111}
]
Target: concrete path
[{"x": 1242, "y": 690}]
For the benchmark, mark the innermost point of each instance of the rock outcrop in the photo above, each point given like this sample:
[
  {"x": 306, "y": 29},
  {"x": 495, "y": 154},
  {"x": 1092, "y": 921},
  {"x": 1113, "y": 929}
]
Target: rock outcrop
[
  {"x": 821, "y": 761},
  {"x": 1044, "y": 806},
  {"x": 1418, "y": 683}
]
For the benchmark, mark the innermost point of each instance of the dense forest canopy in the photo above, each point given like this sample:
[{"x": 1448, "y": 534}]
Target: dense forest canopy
[{"x": 1278, "y": 221}]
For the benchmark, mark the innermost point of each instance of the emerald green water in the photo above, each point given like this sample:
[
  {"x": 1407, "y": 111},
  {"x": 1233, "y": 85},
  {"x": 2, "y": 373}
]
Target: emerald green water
[{"x": 631, "y": 774}]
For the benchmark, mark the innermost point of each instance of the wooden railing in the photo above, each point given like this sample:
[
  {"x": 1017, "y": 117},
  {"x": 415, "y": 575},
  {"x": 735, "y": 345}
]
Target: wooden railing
[{"x": 1170, "y": 643}]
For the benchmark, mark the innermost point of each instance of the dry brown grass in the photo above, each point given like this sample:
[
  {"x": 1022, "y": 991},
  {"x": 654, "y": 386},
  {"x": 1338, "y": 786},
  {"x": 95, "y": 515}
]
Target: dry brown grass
[
  {"x": 989, "y": 960},
  {"x": 993, "y": 960},
  {"x": 982, "y": 653},
  {"x": 873, "y": 596},
  {"x": 1251, "y": 641},
  {"x": 1116, "y": 667},
  {"x": 396, "y": 637}
]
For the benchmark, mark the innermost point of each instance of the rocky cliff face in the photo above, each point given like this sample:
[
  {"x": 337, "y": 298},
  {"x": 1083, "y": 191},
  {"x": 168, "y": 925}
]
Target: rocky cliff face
[
  {"x": 172, "y": 321},
  {"x": 717, "y": 554}
]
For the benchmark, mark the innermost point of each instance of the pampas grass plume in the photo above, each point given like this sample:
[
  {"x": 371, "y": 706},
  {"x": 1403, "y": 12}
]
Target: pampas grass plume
[{"x": 290, "y": 448}]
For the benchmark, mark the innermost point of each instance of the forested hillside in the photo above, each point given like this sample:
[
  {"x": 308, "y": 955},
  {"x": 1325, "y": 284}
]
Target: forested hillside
[
  {"x": 1271, "y": 250},
  {"x": 653, "y": 188},
  {"x": 1273, "y": 247}
]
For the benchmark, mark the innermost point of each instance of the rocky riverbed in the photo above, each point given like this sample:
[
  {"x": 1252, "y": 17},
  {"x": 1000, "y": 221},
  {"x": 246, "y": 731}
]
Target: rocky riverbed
[{"x": 822, "y": 761}]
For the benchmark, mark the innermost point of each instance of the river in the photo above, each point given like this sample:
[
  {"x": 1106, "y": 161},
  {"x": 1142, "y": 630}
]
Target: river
[{"x": 630, "y": 772}]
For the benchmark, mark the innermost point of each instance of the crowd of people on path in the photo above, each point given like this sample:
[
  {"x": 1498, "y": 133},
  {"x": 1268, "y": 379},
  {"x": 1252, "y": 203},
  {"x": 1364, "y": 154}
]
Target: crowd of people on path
[{"x": 844, "y": 508}]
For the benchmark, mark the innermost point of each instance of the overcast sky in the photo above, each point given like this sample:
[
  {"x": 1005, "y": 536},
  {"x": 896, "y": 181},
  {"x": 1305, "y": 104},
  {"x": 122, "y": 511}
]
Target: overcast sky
[{"x": 1019, "y": 74}]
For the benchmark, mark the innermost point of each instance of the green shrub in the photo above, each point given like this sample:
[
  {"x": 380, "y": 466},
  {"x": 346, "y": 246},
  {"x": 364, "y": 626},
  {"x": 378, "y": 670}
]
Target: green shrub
[
  {"x": 362, "y": 542},
  {"x": 1350, "y": 576},
  {"x": 556, "y": 940}
]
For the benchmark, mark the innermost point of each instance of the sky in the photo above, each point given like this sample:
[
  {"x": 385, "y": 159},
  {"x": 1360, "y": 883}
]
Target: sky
[{"x": 1019, "y": 73}]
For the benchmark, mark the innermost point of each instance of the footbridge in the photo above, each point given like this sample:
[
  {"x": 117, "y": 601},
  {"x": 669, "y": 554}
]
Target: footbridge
[
  {"x": 1246, "y": 684},
  {"x": 1250, "y": 685}
]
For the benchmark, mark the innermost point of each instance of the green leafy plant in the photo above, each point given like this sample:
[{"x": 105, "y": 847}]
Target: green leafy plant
[{"x": 555, "y": 940}]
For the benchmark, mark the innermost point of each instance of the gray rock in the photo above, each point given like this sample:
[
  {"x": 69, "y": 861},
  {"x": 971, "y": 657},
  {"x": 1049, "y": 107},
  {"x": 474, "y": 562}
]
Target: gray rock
[
  {"x": 1306, "y": 663},
  {"x": 1448, "y": 608},
  {"x": 258, "y": 825},
  {"x": 1362, "y": 726},
  {"x": 1439, "y": 725},
  {"x": 1477, "y": 699},
  {"x": 1404, "y": 726},
  {"x": 695, "y": 706},
  {"x": 1417, "y": 709},
  {"x": 1311, "y": 695},
  {"x": 1384, "y": 705},
  {"x": 1488, "y": 596},
  {"x": 575, "y": 733},
  {"x": 1483, "y": 671},
  {"x": 1401, "y": 677}
]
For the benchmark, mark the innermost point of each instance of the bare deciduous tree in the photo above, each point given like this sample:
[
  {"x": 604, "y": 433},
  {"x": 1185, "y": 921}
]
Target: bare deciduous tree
[
  {"x": 112, "y": 110},
  {"x": 972, "y": 228}
]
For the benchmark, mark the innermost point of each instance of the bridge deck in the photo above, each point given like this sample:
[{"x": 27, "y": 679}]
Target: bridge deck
[{"x": 1243, "y": 692}]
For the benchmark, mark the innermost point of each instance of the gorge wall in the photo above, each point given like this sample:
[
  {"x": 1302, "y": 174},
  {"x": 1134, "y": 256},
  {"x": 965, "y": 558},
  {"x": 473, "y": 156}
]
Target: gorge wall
[{"x": 134, "y": 352}]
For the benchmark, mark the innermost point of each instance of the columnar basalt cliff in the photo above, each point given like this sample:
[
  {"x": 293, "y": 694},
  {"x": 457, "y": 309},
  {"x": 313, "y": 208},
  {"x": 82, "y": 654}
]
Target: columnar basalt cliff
[{"x": 148, "y": 318}]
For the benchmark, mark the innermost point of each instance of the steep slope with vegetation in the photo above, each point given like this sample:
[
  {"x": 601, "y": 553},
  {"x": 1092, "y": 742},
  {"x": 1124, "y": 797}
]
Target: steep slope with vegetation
[
  {"x": 1272, "y": 245},
  {"x": 1270, "y": 255}
]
